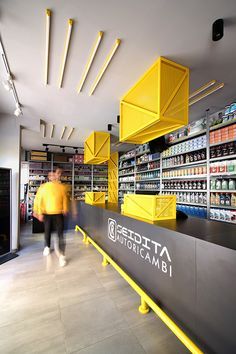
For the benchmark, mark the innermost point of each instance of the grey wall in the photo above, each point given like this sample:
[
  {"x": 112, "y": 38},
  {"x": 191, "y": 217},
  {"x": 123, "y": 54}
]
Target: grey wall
[{"x": 10, "y": 158}]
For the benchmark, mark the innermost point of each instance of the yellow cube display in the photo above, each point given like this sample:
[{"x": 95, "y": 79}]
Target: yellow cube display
[
  {"x": 97, "y": 148},
  {"x": 150, "y": 207},
  {"x": 157, "y": 104},
  {"x": 94, "y": 198}
]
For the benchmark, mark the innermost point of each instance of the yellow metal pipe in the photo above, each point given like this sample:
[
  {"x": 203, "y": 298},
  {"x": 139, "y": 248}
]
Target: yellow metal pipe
[
  {"x": 48, "y": 18},
  {"x": 90, "y": 60},
  {"x": 104, "y": 66},
  {"x": 193, "y": 348},
  {"x": 202, "y": 88},
  {"x": 65, "y": 53},
  {"x": 206, "y": 93}
]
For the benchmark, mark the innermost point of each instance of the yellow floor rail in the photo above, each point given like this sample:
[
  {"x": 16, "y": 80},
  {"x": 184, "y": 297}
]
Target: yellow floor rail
[{"x": 146, "y": 301}]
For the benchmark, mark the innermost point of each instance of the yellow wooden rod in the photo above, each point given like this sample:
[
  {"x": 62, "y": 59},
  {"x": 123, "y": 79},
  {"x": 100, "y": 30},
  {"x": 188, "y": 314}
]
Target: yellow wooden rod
[
  {"x": 70, "y": 133},
  {"x": 52, "y": 130},
  {"x": 66, "y": 49},
  {"x": 202, "y": 88},
  {"x": 48, "y": 20},
  {"x": 90, "y": 60},
  {"x": 63, "y": 132},
  {"x": 207, "y": 93},
  {"x": 104, "y": 66}
]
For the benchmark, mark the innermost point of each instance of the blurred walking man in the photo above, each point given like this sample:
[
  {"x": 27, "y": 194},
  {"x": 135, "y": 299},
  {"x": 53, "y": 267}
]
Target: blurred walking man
[{"x": 50, "y": 206}]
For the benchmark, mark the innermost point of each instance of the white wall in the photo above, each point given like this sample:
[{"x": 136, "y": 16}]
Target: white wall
[{"x": 10, "y": 158}]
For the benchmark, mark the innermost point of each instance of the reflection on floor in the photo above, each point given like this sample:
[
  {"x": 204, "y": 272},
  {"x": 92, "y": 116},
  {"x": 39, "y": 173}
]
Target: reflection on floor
[{"x": 82, "y": 308}]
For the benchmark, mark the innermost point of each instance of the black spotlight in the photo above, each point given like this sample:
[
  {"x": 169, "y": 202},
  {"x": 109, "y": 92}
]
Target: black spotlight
[
  {"x": 63, "y": 149},
  {"x": 118, "y": 119},
  {"x": 46, "y": 148},
  {"x": 76, "y": 151},
  {"x": 109, "y": 127},
  {"x": 218, "y": 30}
]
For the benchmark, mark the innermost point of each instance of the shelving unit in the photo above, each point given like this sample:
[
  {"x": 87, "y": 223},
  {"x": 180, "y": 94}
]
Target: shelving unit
[
  {"x": 174, "y": 169},
  {"x": 137, "y": 180},
  {"x": 38, "y": 172},
  {"x": 82, "y": 180},
  {"x": 100, "y": 178},
  {"x": 79, "y": 177},
  {"x": 222, "y": 168},
  {"x": 195, "y": 163}
]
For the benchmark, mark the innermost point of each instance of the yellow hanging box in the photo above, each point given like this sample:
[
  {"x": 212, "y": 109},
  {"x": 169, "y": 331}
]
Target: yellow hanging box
[
  {"x": 97, "y": 148},
  {"x": 94, "y": 198},
  {"x": 157, "y": 104},
  {"x": 150, "y": 207}
]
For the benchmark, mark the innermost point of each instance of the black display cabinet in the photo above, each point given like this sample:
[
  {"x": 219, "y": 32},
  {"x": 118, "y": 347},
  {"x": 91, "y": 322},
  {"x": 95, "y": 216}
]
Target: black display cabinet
[{"x": 5, "y": 211}]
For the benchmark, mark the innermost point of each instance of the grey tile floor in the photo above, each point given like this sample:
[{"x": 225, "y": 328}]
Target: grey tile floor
[{"x": 83, "y": 308}]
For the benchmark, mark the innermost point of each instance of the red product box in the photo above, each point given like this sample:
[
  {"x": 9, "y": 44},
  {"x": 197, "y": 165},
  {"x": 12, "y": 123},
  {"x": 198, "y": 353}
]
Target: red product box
[{"x": 225, "y": 130}]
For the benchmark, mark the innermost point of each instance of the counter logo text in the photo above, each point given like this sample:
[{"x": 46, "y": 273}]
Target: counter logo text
[{"x": 147, "y": 250}]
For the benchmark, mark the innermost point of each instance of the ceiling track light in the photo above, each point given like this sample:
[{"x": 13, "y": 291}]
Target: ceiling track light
[
  {"x": 10, "y": 86},
  {"x": 109, "y": 127},
  {"x": 63, "y": 132},
  {"x": 46, "y": 148},
  {"x": 52, "y": 130},
  {"x": 63, "y": 148},
  {"x": 66, "y": 49},
  {"x": 70, "y": 133},
  {"x": 202, "y": 88},
  {"x": 207, "y": 93},
  {"x": 104, "y": 66},
  {"x": 90, "y": 60},
  {"x": 48, "y": 26},
  {"x": 18, "y": 110}
]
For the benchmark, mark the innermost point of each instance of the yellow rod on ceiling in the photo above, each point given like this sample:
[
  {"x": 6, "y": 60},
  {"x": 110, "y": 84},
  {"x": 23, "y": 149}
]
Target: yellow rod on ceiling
[
  {"x": 43, "y": 125},
  {"x": 63, "y": 132},
  {"x": 207, "y": 93},
  {"x": 70, "y": 133},
  {"x": 104, "y": 66},
  {"x": 90, "y": 60},
  {"x": 202, "y": 88},
  {"x": 48, "y": 22},
  {"x": 66, "y": 49},
  {"x": 52, "y": 130}
]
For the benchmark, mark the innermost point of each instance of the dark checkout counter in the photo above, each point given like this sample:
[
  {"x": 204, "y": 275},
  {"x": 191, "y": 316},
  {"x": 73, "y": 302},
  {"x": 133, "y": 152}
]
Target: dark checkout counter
[{"x": 187, "y": 266}]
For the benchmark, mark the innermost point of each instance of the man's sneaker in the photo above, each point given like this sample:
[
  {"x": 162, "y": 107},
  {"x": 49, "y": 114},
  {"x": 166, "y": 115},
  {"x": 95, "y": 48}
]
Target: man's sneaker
[
  {"x": 62, "y": 261},
  {"x": 46, "y": 251}
]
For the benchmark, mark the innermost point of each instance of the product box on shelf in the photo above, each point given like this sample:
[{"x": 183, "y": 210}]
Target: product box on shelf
[
  {"x": 60, "y": 158},
  {"x": 79, "y": 158},
  {"x": 38, "y": 156}
]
